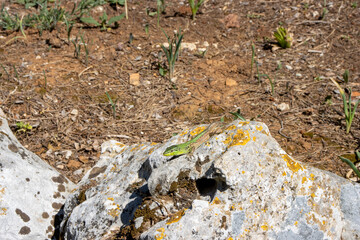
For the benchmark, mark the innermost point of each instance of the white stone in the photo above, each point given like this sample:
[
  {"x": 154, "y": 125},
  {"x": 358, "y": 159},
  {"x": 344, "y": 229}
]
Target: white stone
[
  {"x": 247, "y": 188},
  {"x": 288, "y": 67},
  {"x": 31, "y": 191},
  {"x": 283, "y": 106}
]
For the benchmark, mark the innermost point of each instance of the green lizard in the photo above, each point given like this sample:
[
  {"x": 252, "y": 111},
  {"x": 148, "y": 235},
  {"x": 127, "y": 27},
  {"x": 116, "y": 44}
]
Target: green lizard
[{"x": 191, "y": 145}]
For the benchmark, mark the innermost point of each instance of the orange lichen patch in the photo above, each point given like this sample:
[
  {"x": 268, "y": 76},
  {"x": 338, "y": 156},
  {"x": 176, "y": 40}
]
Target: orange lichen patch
[
  {"x": 294, "y": 166},
  {"x": 259, "y": 128},
  {"x": 184, "y": 133},
  {"x": 151, "y": 150},
  {"x": 176, "y": 217},
  {"x": 2, "y": 190},
  {"x": 113, "y": 169},
  {"x": 312, "y": 177},
  {"x": 110, "y": 198},
  {"x": 135, "y": 148},
  {"x": 3, "y": 211},
  {"x": 216, "y": 201},
  {"x": 197, "y": 130},
  {"x": 230, "y": 238},
  {"x": 240, "y": 138},
  {"x": 296, "y": 223},
  {"x": 244, "y": 123},
  {"x": 230, "y": 128},
  {"x": 304, "y": 179},
  {"x": 120, "y": 144},
  {"x": 243, "y": 172},
  {"x": 115, "y": 212},
  {"x": 284, "y": 173},
  {"x": 153, "y": 143},
  {"x": 312, "y": 195},
  {"x": 265, "y": 227},
  {"x": 161, "y": 235},
  {"x": 254, "y": 138}
]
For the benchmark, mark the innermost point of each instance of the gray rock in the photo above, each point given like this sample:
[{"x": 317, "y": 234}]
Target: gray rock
[
  {"x": 239, "y": 184},
  {"x": 31, "y": 192}
]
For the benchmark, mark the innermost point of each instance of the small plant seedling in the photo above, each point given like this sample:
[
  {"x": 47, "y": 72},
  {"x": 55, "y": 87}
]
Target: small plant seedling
[
  {"x": 272, "y": 83},
  {"x": 69, "y": 25},
  {"x": 195, "y": 7},
  {"x": 346, "y": 76},
  {"x": 283, "y": 37},
  {"x": 77, "y": 46},
  {"x": 351, "y": 164},
  {"x": 252, "y": 57},
  {"x": 160, "y": 9},
  {"x": 354, "y": 5},
  {"x": 8, "y": 75},
  {"x": 48, "y": 18},
  {"x": 104, "y": 22},
  {"x": 23, "y": 127},
  {"x": 324, "y": 12},
  {"x": 237, "y": 115},
  {"x": 348, "y": 110},
  {"x": 172, "y": 52},
  {"x": 116, "y": 2},
  {"x": 86, "y": 49},
  {"x": 146, "y": 27},
  {"x": 318, "y": 78},
  {"x": 113, "y": 105}
]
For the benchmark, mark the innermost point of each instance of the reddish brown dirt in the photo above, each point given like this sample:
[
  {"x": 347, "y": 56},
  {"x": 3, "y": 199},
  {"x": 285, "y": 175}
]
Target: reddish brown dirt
[{"x": 70, "y": 112}]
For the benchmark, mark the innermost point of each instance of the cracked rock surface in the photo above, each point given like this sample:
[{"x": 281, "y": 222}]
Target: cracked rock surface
[
  {"x": 31, "y": 192},
  {"x": 238, "y": 184}
]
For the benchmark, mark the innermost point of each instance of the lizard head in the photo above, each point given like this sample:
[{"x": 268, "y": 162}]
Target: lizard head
[{"x": 176, "y": 150}]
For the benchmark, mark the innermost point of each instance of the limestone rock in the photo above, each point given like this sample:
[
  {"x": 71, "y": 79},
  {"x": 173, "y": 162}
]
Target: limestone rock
[
  {"x": 31, "y": 192},
  {"x": 239, "y": 184}
]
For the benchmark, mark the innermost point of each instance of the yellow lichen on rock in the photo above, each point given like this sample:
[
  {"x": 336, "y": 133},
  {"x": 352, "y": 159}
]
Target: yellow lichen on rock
[
  {"x": 176, "y": 217},
  {"x": 240, "y": 138},
  {"x": 161, "y": 235},
  {"x": 232, "y": 127},
  {"x": 294, "y": 166},
  {"x": 197, "y": 130}
]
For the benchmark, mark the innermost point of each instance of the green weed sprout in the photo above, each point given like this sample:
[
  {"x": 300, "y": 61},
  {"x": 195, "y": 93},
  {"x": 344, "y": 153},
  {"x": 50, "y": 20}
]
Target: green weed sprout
[
  {"x": 113, "y": 105},
  {"x": 160, "y": 9},
  {"x": 104, "y": 22},
  {"x": 351, "y": 164},
  {"x": 172, "y": 52},
  {"x": 348, "y": 110},
  {"x": 69, "y": 26},
  {"x": 237, "y": 115},
  {"x": 23, "y": 127},
  {"x": 8, "y": 75},
  {"x": 195, "y": 7},
  {"x": 283, "y": 38},
  {"x": 48, "y": 17},
  {"x": 77, "y": 47}
]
